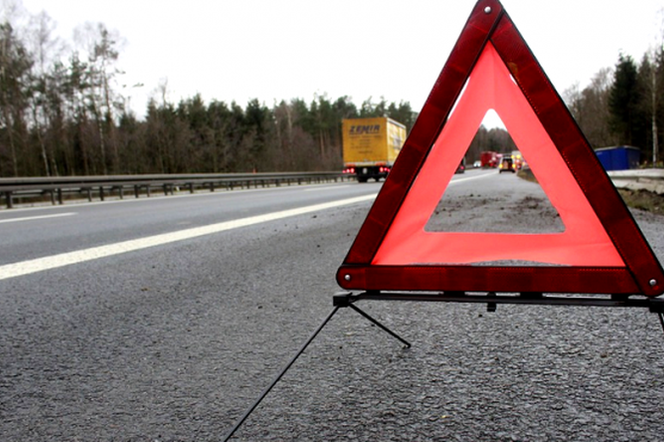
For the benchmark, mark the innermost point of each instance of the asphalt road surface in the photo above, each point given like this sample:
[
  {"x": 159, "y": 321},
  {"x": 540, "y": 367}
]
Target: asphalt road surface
[{"x": 164, "y": 319}]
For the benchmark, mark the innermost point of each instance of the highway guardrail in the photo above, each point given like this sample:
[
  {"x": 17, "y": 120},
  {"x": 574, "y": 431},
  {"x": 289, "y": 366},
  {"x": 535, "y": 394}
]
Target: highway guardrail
[
  {"x": 651, "y": 180},
  {"x": 100, "y": 187}
]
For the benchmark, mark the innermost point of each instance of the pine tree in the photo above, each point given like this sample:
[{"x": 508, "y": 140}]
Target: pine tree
[{"x": 624, "y": 103}]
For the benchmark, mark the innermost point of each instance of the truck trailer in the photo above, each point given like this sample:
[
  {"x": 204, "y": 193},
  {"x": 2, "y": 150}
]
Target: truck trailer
[
  {"x": 489, "y": 159},
  {"x": 370, "y": 146}
]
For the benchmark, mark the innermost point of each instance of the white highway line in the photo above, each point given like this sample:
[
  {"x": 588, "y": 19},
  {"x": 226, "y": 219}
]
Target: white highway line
[
  {"x": 314, "y": 189},
  {"x": 468, "y": 178},
  {"x": 51, "y": 262},
  {"x": 30, "y": 218}
]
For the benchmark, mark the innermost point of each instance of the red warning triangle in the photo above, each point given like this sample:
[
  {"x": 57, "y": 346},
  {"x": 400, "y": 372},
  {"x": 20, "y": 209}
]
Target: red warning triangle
[
  {"x": 584, "y": 241},
  {"x": 601, "y": 250}
]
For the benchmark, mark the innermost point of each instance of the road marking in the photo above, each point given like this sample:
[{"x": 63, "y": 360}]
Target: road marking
[
  {"x": 30, "y": 218},
  {"x": 459, "y": 180},
  {"x": 314, "y": 189},
  {"x": 64, "y": 259}
]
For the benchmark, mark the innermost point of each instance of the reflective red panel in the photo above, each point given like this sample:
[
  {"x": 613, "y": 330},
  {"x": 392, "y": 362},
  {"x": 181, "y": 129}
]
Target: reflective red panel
[{"x": 601, "y": 250}]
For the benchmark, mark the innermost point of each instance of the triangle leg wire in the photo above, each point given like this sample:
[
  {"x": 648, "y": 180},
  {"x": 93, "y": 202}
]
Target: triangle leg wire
[{"x": 279, "y": 376}]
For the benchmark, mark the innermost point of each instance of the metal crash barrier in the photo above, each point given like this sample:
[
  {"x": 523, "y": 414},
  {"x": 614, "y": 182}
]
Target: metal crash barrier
[{"x": 58, "y": 189}]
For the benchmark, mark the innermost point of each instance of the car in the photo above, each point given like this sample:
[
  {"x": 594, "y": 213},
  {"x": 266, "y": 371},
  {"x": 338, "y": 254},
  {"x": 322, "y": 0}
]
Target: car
[{"x": 507, "y": 165}]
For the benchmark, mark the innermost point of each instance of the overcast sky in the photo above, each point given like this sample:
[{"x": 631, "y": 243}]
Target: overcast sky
[{"x": 273, "y": 50}]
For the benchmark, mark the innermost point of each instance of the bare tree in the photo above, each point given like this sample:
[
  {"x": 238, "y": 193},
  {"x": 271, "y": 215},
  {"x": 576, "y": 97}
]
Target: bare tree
[
  {"x": 648, "y": 74},
  {"x": 656, "y": 55},
  {"x": 44, "y": 49},
  {"x": 590, "y": 108},
  {"x": 101, "y": 46},
  {"x": 15, "y": 66}
]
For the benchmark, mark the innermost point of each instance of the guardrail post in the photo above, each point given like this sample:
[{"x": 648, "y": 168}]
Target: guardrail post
[
  {"x": 101, "y": 193},
  {"x": 60, "y": 201},
  {"x": 136, "y": 190},
  {"x": 8, "y": 199},
  {"x": 191, "y": 187},
  {"x": 147, "y": 190}
]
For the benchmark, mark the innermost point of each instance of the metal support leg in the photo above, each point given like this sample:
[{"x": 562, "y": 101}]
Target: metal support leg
[
  {"x": 405, "y": 343},
  {"x": 283, "y": 372},
  {"x": 347, "y": 299}
]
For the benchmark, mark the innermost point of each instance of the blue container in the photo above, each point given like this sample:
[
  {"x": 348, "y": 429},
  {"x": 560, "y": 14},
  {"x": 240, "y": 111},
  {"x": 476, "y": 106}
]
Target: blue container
[{"x": 619, "y": 157}]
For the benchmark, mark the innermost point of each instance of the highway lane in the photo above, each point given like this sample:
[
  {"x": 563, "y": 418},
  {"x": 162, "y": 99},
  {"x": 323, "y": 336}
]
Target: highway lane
[
  {"x": 174, "y": 342},
  {"x": 51, "y": 230},
  {"x": 35, "y": 233}
]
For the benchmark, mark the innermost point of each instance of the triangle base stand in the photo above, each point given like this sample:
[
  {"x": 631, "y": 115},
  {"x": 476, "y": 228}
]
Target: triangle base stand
[
  {"x": 655, "y": 305},
  {"x": 340, "y": 300},
  {"x": 491, "y": 299}
]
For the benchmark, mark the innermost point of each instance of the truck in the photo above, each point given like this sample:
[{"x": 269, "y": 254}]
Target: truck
[
  {"x": 489, "y": 159},
  {"x": 370, "y": 146}
]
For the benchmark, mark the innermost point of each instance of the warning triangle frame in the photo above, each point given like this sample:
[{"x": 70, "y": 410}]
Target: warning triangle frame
[{"x": 642, "y": 273}]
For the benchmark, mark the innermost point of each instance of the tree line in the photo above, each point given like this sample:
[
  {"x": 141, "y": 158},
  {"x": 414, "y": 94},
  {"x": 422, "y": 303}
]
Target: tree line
[
  {"x": 63, "y": 111},
  {"x": 624, "y": 105}
]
